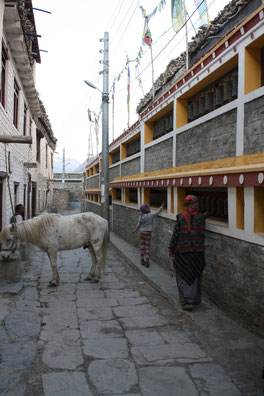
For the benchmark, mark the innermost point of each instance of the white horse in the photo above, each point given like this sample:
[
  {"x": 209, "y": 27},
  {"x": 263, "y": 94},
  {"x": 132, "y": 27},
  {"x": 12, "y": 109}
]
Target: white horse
[{"x": 53, "y": 232}]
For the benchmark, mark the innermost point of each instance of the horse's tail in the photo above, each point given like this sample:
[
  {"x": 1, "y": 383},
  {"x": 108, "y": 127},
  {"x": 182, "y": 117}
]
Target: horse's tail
[{"x": 104, "y": 246}]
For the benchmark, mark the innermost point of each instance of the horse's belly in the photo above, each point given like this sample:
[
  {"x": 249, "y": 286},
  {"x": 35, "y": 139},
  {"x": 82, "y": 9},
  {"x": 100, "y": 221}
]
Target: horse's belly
[{"x": 71, "y": 241}]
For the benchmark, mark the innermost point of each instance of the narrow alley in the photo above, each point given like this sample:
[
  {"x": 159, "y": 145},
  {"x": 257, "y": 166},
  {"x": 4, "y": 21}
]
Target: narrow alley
[{"x": 116, "y": 337}]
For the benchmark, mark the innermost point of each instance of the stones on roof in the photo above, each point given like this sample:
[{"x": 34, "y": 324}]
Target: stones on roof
[
  {"x": 178, "y": 64},
  {"x": 46, "y": 125},
  {"x": 25, "y": 15}
]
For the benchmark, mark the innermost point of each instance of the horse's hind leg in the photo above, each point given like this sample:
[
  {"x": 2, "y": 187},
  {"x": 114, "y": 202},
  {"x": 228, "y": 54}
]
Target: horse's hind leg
[
  {"x": 53, "y": 262},
  {"x": 99, "y": 258},
  {"x": 90, "y": 276}
]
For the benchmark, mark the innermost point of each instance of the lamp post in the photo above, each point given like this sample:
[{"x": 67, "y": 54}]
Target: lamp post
[{"x": 105, "y": 129}]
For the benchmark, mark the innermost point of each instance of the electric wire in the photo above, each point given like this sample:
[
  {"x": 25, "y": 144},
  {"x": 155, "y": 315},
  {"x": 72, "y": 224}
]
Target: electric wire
[{"x": 159, "y": 53}]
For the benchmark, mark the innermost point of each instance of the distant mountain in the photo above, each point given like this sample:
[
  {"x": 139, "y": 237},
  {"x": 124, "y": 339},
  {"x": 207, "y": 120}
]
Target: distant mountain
[
  {"x": 70, "y": 165},
  {"x": 81, "y": 167}
]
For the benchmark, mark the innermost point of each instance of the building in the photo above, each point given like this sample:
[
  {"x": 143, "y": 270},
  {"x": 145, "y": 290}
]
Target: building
[
  {"x": 204, "y": 135},
  {"x": 67, "y": 190},
  {"x": 26, "y": 169}
]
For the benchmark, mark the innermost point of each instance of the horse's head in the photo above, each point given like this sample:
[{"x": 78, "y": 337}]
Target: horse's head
[{"x": 8, "y": 241}]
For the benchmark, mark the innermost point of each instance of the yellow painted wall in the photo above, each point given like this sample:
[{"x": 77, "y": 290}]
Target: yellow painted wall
[
  {"x": 146, "y": 196},
  {"x": 180, "y": 199},
  {"x": 259, "y": 209},
  {"x": 148, "y": 133},
  {"x": 240, "y": 203},
  {"x": 123, "y": 151},
  {"x": 181, "y": 112},
  {"x": 252, "y": 69},
  {"x": 172, "y": 200}
]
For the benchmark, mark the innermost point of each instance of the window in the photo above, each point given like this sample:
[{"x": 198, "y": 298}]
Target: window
[
  {"x": 116, "y": 194},
  {"x": 133, "y": 147},
  {"x": 212, "y": 200},
  {"x": 16, "y": 185},
  {"x": 3, "y": 73},
  {"x": 157, "y": 196},
  {"x": 213, "y": 96},
  {"x": 15, "y": 108},
  {"x": 163, "y": 125},
  {"x": 133, "y": 197},
  {"x": 115, "y": 156},
  {"x": 46, "y": 155},
  {"x": 51, "y": 160},
  {"x": 39, "y": 137},
  {"x": 25, "y": 120},
  {"x": 30, "y": 129}
]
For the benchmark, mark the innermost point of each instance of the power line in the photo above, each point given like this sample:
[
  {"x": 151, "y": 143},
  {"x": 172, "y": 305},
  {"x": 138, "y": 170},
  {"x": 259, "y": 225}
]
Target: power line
[{"x": 122, "y": 35}]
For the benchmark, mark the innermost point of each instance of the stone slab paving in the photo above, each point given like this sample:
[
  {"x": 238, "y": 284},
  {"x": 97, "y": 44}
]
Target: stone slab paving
[{"x": 119, "y": 336}]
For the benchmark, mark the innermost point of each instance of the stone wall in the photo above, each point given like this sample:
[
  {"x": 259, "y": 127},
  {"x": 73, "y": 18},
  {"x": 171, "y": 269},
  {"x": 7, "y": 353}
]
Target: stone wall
[
  {"x": 130, "y": 167},
  {"x": 114, "y": 172},
  {"x": 91, "y": 207},
  {"x": 92, "y": 182},
  {"x": 208, "y": 141},
  {"x": 254, "y": 126},
  {"x": 60, "y": 199},
  {"x": 125, "y": 220},
  {"x": 159, "y": 156},
  {"x": 233, "y": 279}
]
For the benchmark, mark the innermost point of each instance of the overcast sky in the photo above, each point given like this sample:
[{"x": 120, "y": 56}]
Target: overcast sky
[{"x": 71, "y": 36}]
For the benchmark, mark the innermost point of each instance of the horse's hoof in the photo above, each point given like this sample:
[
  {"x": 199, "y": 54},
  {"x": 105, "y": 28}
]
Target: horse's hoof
[
  {"x": 52, "y": 284},
  {"x": 88, "y": 278},
  {"x": 95, "y": 280}
]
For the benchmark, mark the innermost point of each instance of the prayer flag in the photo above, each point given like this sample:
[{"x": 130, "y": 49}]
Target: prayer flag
[
  {"x": 96, "y": 129},
  {"x": 177, "y": 14},
  {"x": 203, "y": 11},
  {"x": 89, "y": 115},
  {"x": 146, "y": 33},
  {"x": 128, "y": 87}
]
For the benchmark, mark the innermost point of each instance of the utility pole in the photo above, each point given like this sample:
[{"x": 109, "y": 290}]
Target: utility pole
[
  {"x": 105, "y": 132},
  {"x": 63, "y": 169}
]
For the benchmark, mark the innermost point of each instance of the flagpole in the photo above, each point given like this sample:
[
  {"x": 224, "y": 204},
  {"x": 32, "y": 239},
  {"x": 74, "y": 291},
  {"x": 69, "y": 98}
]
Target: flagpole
[
  {"x": 152, "y": 66},
  {"x": 113, "y": 112},
  {"x": 186, "y": 35}
]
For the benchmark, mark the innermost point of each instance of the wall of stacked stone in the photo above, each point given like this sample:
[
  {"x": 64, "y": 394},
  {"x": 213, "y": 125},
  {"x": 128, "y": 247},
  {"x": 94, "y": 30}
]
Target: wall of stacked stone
[
  {"x": 75, "y": 189},
  {"x": 60, "y": 199},
  {"x": 92, "y": 182},
  {"x": 254, "y": 126},
  {"x": 125, "y": 220},
  {"x": 130, "y": 167},
  {"x": 238, "y": 294},
  {"x": 91, "y": 207},
  {"x": 233, "y": 279},
  {"x": 208, "y": 141},
  {"x": 114, "y": 172},
  {"x": 159, "y": 156}
]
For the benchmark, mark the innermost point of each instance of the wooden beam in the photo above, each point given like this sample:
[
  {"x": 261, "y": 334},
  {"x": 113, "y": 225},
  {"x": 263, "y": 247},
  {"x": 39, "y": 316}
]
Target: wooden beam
[{"x": 16, "y": 139}]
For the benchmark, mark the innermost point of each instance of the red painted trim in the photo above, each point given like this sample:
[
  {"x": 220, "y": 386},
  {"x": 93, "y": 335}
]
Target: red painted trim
[{"x": 250, "y": 179}]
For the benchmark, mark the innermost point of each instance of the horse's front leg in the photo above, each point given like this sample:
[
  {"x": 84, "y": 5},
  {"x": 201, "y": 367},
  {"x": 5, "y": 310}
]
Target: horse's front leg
[{"x": 52, "y": 254}]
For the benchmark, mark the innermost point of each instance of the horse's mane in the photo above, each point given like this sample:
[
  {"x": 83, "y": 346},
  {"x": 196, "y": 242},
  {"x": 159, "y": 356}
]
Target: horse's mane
[{"x": 33, "y": 230}]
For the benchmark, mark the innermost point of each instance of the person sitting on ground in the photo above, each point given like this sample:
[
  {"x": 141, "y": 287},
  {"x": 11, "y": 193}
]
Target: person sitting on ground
[
  {"x": 19, "y": 214},
  {"x": 145, "y": 226},
  {"x": 187, "y": 250}
]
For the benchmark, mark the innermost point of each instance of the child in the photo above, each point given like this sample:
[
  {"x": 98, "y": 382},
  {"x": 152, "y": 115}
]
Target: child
[{"x": 145, "y": 225}]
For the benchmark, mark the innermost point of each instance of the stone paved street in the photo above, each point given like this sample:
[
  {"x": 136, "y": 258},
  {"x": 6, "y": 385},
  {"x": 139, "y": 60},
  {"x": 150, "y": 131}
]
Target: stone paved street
[{"x": 115, "y": 337}]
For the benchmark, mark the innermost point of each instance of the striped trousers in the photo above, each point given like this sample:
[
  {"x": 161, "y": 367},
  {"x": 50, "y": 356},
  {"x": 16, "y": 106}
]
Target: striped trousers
[{"x": 145, "y": 238}]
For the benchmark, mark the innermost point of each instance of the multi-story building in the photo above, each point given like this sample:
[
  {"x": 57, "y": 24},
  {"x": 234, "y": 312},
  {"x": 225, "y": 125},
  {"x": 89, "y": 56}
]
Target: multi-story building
[
  {"x": 26, "y": 169},
  {"x": 204, "y": 135}
]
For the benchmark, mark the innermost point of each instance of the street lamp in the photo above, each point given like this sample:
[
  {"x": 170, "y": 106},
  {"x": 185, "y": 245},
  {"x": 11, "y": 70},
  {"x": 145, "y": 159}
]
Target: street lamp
[{"x": 105, "y": 130}]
